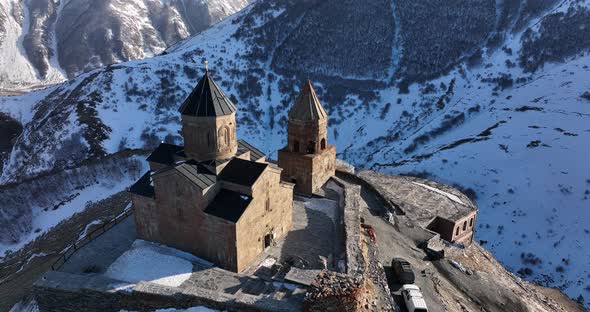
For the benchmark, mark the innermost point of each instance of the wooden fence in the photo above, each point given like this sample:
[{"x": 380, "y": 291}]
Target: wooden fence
[{"x": 58, "y": 264}]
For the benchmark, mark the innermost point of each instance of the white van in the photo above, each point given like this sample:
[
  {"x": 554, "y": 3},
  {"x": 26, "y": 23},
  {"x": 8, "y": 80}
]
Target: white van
[{"x": 413, "y": 298}]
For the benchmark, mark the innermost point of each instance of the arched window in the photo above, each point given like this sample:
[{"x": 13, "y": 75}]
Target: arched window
[
  {"x": 457, "y": 231},
  {"x": 227, "y": 136},
  {"x": 323, "y": 144},
  {"x": 464, "y": 225},
  {"x": 296, "y": 146},
  {"x": 310, "y": 147},
  {"x": 471, "y": 222},
  {"x": 223, "y": 137}
]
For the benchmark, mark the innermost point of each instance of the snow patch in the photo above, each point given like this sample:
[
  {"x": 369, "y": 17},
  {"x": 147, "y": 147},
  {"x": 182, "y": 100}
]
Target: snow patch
[
  {"x": 441, "y": 192},
  {"x": 29, "y": 306},
  {"x": 325, "y": 206},
  {"x": 159, "y": 264}
]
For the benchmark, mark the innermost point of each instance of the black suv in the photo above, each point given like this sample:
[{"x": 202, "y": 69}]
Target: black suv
[{"x": 402, "y": 270}]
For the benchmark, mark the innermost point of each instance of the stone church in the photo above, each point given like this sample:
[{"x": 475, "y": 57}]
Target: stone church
[
  {"x": 216, "y": 197},
  {"x": 308, "y": 160}
]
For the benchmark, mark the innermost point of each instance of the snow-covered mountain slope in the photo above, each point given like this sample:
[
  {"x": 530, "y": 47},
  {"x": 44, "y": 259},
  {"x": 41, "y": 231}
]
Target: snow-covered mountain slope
[
  {"x": 43, "y": 42},
  {"x": 59, "y": 196},
  {"x": 492, "y": 96},
  {"x": 525, "y": 159}
]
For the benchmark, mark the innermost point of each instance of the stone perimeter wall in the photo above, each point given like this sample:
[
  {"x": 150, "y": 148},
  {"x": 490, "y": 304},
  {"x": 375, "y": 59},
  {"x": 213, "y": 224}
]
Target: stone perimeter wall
[
  {"x": 337, "y": 292},
  {"x": 65, "y": 292},
  {"x": 59, "y": 291},
  {"x": 352, "y": 220}
]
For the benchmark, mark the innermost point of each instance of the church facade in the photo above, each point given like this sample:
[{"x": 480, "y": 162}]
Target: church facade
[
  {"x": 308, "y": 160},
  {"x": 216, "y": 197}
]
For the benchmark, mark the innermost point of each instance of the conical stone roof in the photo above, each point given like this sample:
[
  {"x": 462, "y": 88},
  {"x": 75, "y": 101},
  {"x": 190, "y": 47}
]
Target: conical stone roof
[
  {"x": 207, "y": 100},
  {"x": 308, "y": 106}
]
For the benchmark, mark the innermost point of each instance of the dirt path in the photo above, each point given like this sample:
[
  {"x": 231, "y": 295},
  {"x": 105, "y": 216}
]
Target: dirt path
[
  {"x": 467, "y": 279},
  {"x": 21, "y": 270},
  {"x": 391, "y": 243}
]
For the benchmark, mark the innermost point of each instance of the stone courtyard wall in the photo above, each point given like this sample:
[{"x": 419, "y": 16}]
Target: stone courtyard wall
[
  {"x": 65, "y": 292},
  {"x": 353, "y": 237}
]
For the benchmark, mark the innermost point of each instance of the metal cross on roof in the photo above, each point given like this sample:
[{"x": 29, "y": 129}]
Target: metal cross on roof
[{"x": 206, "y": 62}]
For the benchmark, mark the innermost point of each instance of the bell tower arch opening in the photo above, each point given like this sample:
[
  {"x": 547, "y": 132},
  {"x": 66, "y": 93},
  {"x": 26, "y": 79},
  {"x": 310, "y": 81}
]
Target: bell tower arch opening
[{"x": 310, "y": 147}]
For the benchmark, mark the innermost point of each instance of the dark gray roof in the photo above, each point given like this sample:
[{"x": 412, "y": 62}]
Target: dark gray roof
[
  {"x": 229, "y": 205},
  {"x": 143, "y": 186},
  {"x": 197, "y": 174},
  {"x": 255, "y": 154},
  {"x": 207, "y": 100},
  {"x": 165, "y": 153},
  {"x": 242, "y": 172},
  {"x": 307, "y": 106},
  {"x": 215, "y": 162}
]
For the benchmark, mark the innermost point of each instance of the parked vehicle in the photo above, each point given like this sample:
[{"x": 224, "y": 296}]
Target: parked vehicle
[
  {"x": 413, "y": 298},
  {"x": 402, "y": 270}
]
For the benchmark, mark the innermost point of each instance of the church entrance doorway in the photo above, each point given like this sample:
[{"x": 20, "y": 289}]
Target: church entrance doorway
[{"x": 267, "y": 240}]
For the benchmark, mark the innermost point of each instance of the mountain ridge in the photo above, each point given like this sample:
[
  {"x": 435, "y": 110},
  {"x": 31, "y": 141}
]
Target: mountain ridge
[{"x": 46, "y": 42}]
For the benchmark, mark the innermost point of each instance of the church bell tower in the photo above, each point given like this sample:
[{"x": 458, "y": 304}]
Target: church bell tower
[{"x": 307, "y": 160}]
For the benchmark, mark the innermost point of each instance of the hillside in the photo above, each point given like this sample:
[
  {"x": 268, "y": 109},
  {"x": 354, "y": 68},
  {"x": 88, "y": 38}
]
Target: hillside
[
  {"x": 490, "y": 96},
  {"x": 43, "y": 42}
]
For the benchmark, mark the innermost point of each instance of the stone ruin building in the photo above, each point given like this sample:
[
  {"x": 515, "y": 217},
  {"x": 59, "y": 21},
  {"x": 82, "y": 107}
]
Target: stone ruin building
[
  {"x": 433, "y": 206},
  {"x": 308, "y": 160},
  {"x": 216, "y": 197}
]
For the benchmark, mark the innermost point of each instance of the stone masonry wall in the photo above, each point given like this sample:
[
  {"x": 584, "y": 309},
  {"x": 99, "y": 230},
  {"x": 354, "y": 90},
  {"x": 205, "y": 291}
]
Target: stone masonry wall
[
  {"x": 297, "y": 169},
  {"x": 310, "y": 172},
  {"x": 305, "y": 133},
  {"x": 207, "y": 138},
  {"x": 145, "y": 212},
  {"x": 65, "y": 292},
  {"x": 323, "y": 167},
  {"x": 178, "y": 220},
  {"x": 259, "y": 219},
  {"x": 353, "y": 237}
]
